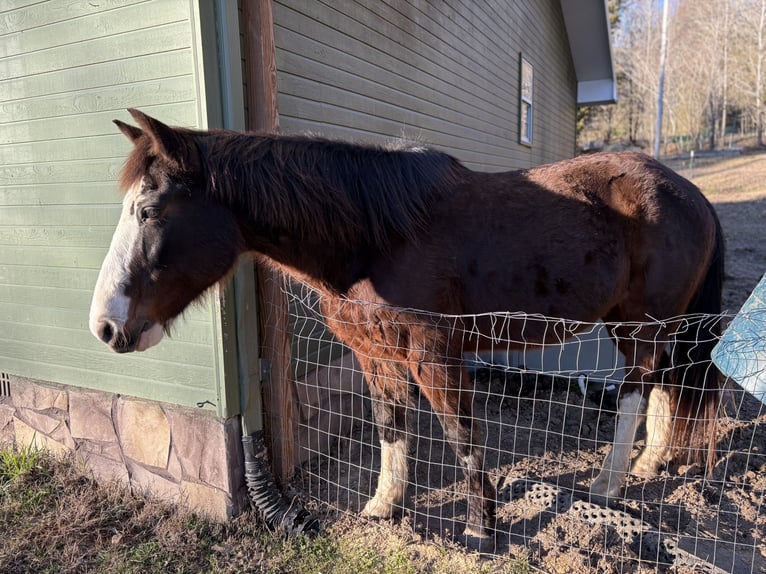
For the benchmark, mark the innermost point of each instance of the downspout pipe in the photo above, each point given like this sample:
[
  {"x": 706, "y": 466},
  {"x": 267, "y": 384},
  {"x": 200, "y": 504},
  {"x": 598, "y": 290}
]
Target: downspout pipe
[{"x": 278, "y": 512}]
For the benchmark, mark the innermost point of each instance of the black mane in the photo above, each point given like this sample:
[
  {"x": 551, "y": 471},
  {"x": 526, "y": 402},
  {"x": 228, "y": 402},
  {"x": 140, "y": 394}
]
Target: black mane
[{"x": 329, "y": 191}]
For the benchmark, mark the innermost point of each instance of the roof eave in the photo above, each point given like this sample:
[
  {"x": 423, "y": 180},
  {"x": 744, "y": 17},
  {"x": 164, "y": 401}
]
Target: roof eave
[
  {"x": 594, "y": 92},
  {"x": 588, "y": 30}
]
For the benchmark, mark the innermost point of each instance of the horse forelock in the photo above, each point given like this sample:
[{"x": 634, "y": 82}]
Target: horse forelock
[
  {"x": 144, "y": 155},
  {"x": 136, "y": 165}
]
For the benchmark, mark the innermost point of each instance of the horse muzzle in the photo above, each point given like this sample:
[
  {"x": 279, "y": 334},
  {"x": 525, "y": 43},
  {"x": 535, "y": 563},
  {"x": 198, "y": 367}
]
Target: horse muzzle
[{"x": 121, "y": 338}]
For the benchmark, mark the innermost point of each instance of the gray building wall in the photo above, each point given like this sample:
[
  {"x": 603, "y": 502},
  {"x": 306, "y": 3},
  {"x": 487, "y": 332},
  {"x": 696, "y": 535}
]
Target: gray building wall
[{"x": 445, "y": 73}]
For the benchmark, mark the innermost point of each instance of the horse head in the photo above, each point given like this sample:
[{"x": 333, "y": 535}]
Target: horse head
[{"x": 172, "y": 241}]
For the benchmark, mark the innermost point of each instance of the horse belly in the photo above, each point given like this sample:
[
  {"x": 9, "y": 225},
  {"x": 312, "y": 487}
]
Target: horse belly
[
  {"x": 502, "y": 301},
  {"x": 559, "y": 279}
]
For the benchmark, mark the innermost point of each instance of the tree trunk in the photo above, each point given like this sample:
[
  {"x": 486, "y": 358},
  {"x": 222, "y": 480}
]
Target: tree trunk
[
  {"x": 661, "y": 86},
  {"x": 713, "y": 120},
  {"x": 725, "y": 85},
  {"x": 759, "y": 78}
]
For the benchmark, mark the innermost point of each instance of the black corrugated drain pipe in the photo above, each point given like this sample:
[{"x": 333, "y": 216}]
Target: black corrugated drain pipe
[{"x": 279, "y": 513}]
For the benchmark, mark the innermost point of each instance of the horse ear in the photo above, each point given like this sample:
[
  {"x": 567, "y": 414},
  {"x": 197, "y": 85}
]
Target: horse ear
[
  {"x": 132, "y": 132},
  {"x": 173, "y": 145}
]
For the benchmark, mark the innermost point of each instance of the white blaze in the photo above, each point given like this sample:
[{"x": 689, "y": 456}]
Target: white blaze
[{"x": 109, "y": 301}]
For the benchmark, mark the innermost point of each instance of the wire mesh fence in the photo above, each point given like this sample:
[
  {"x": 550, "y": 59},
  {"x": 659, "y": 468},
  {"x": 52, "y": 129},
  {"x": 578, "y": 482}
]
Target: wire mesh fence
[{"x": 547, "y": 420}]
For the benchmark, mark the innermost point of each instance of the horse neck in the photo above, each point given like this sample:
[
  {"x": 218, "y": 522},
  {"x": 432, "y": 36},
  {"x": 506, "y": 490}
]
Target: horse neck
[
  {"x": 326, "y": 208},
  {"x": 288, "y": 211}
]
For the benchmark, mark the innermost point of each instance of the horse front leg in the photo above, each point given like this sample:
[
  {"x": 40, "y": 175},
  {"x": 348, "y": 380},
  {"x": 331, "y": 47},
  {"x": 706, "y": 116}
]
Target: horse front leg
[
  {"x": 387, "y": 381},
  {"x": 447, "y": 389},
  {"x": 631, "y": 412}
]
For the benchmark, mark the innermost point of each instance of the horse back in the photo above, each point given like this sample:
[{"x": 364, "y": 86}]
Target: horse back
[{"x": 569, "y": 239}]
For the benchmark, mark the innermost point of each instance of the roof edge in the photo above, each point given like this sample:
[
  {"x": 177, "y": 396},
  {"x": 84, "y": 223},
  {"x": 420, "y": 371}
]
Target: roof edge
[{"x": 588, "y": 31}]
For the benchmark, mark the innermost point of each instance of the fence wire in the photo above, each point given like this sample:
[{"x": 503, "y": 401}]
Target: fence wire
[{"x": 547, "y": 418}]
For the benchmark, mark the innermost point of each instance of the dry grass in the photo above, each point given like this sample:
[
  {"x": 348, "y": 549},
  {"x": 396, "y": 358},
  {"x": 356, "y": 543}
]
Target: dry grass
[
  {"x": 736, "y": 185},
  {"x": 54, "y": 519},
  {"x": 726, "y": 177}
]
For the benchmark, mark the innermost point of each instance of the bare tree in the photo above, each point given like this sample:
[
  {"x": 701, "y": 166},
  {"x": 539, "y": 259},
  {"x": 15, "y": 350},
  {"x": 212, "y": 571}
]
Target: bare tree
[
  {"x": 661, "y": 83},
  {"x": 759, "y": 76},
  {"x": 725, "y": 79},
  {"x": 714, "y": 76},
  {"x": 697, "y": 70}
]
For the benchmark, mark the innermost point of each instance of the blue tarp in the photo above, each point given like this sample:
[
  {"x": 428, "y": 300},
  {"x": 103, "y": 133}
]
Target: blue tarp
[{"x": 741, "y": 352}]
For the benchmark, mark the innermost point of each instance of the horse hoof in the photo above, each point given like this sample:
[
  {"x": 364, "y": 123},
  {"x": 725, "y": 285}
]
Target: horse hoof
[
  {"x": 644, "y": 473},
  {"x": 645, "y": 469},
  {"x": 377, "y": 509},
  {"x": 477, "y": 538},
  {"x": 600, "y": 490}
]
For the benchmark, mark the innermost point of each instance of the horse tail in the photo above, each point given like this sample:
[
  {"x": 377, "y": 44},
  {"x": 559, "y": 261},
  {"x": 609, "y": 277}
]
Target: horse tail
[{"x": 696, "y": 382}]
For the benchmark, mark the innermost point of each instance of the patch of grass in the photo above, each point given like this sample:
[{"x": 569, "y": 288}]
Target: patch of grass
[
  {"x": 54, "y": 519},
  {"x": 15, "y": 463},
  {"x": 337, "y": 553},
  {"x": 19, "y": 468}
]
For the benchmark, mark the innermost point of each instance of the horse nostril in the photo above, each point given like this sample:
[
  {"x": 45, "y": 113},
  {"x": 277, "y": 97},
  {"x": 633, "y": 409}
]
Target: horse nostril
[{"x": 106, "y": 332}]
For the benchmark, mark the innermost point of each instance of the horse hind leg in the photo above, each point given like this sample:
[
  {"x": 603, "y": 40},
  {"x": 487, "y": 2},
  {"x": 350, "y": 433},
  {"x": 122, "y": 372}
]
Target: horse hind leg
[
  {"x": 659, "y": 428},
  {"x": 445, "y": 387},
  {"x": 657, "y": 450},
  {"x": 630, "y": 414},
  {"x": 387, "y": 381}
]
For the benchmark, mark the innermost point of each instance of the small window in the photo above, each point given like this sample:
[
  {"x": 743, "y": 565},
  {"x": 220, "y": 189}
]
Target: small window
[{"x": 525, "y": 102}]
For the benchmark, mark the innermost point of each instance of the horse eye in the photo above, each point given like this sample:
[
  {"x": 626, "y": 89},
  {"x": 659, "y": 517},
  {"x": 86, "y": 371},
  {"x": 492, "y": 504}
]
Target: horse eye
[{"x": 149, "y": 213}]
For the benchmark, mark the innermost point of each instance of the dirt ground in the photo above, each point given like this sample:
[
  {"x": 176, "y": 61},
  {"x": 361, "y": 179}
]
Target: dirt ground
[{"x": 545, "y": 442}]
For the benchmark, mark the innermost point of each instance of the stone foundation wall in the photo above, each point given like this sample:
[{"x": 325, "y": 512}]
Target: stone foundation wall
[{"x": 171, "y": 452}]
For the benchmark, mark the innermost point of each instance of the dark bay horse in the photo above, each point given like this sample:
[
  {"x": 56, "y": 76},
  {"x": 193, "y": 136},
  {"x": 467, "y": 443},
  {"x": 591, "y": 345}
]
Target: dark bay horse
[{"x": 392, "y": 236}]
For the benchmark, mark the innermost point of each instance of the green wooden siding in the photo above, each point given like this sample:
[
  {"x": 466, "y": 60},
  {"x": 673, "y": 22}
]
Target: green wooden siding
[
  {"x": 445, "y": 73},
  {"x": 66, "y": 70}
]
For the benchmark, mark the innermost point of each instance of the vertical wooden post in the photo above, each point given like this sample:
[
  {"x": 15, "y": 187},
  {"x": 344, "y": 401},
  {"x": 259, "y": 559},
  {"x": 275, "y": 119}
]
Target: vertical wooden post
[
  {"x": 260, "y": 66},
  {"x": 279, "y": 392}
]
